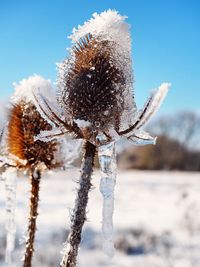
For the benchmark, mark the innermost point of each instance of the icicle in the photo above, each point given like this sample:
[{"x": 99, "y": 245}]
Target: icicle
[
  {"x": 107, "y": 159},
  {"x": 10, "y": 177}
]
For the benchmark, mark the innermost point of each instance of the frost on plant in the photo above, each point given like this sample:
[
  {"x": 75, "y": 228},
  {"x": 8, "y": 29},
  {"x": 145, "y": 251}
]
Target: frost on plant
[
  {"x": 95, "y": 85},
  {"x": 95, "y": 103},
  {"x": 23, "y": 152},
  {"x": 95, "y": 82}
]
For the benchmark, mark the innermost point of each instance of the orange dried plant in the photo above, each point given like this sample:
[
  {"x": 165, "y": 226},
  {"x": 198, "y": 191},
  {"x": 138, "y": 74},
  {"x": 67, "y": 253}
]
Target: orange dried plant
[{"x": 25, "y": 123}]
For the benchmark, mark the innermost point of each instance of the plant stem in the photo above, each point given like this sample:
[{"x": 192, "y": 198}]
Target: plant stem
[
  {"x": 35, "y": 177},
  {"x": 79, "y": 213}
]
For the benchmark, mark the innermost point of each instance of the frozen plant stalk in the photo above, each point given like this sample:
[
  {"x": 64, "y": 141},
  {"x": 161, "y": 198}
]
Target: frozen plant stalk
[
  {"x": 10, "y": 176},
  {"x": 34, "y": 200},
  {"x": 23, "y": 152},
  {"x": 79, "y": 212},
  {"x": 107, "y": 160},
  {"x": 95, "y": 94}
]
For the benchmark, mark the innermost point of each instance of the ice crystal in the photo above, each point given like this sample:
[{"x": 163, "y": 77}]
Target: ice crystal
[{"x": 107, "y": 160}]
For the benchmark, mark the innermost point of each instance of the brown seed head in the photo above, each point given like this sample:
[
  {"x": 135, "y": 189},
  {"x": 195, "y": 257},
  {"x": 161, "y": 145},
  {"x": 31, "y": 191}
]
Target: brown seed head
[
  {"x": 24, "y": 124},
  {"x": 94, "y": 84}
]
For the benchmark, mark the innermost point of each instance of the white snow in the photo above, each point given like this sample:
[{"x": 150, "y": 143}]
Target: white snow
[
  {"x": 110, "y": 25},
  {"x": 82, "y": 123},
  {"x": 160, "y": 204},
  {"x": 25, "y": 88},
  {"x": 40, "y": 92}
]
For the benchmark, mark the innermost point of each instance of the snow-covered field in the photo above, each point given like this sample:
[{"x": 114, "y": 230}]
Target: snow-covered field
[{"x": 157, "y": 220}]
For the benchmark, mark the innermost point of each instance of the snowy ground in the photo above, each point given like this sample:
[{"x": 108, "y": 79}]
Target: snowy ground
[{"x": 157, "y": 222}]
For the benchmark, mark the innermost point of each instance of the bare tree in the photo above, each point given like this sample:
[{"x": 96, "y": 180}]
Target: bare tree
[{"x": 183, "y": 127}]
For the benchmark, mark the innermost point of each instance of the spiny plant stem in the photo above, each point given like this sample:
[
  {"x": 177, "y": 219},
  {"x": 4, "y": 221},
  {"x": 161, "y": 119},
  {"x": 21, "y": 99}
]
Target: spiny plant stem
[
  {"x": 34, "y": 199},
  {"x": 79, "y": 213}
]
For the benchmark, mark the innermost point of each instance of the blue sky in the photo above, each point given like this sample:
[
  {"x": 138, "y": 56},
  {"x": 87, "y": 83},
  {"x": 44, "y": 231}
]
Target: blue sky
[{"x": 165, "y": 34}]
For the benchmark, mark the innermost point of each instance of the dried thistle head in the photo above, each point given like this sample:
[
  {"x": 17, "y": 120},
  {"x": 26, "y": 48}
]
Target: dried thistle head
[
  {"x": 24, "y": 124},
  {"x": 95, "y": 82},
  {"x": 94, "y": 86}
]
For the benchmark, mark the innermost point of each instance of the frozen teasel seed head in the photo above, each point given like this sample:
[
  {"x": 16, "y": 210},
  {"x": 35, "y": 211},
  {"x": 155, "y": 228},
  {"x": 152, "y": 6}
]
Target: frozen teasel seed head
[
  {"x": 25, "y": 122},
  {"x": 95, "y": 86},
  {"x": 95, "y": 81}
]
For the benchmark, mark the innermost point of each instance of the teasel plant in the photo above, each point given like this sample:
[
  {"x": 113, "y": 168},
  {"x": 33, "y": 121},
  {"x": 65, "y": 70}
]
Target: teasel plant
[
  {"x": 24, "y": 153},
  {"x": 96, "y": 103}
]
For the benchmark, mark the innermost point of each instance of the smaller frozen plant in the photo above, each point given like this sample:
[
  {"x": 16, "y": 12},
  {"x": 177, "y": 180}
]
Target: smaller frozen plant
[
  {"x": 96, "y": 104},
  {"x": 23, "y": 152}
]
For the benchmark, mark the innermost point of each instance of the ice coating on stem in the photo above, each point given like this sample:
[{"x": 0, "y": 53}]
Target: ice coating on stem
[
  {"x": 107, "y": 160},
  {"x": 10, "y": 176}
]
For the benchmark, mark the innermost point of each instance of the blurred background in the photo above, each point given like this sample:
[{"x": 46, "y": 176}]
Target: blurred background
[
  {"x": 165, "y": 47},
  {"x": 162, "y": 186}
]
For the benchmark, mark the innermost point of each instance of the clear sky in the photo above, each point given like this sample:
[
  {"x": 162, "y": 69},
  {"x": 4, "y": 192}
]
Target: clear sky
[{"x": 165, "y": 43}]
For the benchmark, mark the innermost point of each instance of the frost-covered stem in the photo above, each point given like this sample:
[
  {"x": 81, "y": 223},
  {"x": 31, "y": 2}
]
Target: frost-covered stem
[
  {"x": 79, "y": 213},
  {"x": 107, "y": 160},
  {"x": 10, "y": 185},
  {"x": 35, "y": 177}
]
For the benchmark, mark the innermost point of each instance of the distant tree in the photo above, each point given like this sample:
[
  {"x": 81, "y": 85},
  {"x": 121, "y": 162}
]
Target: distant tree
[
  {"x": 183, "y": 127},
  {"x": 167, "y": 154},
  {"x": 178, "y": 145}
]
